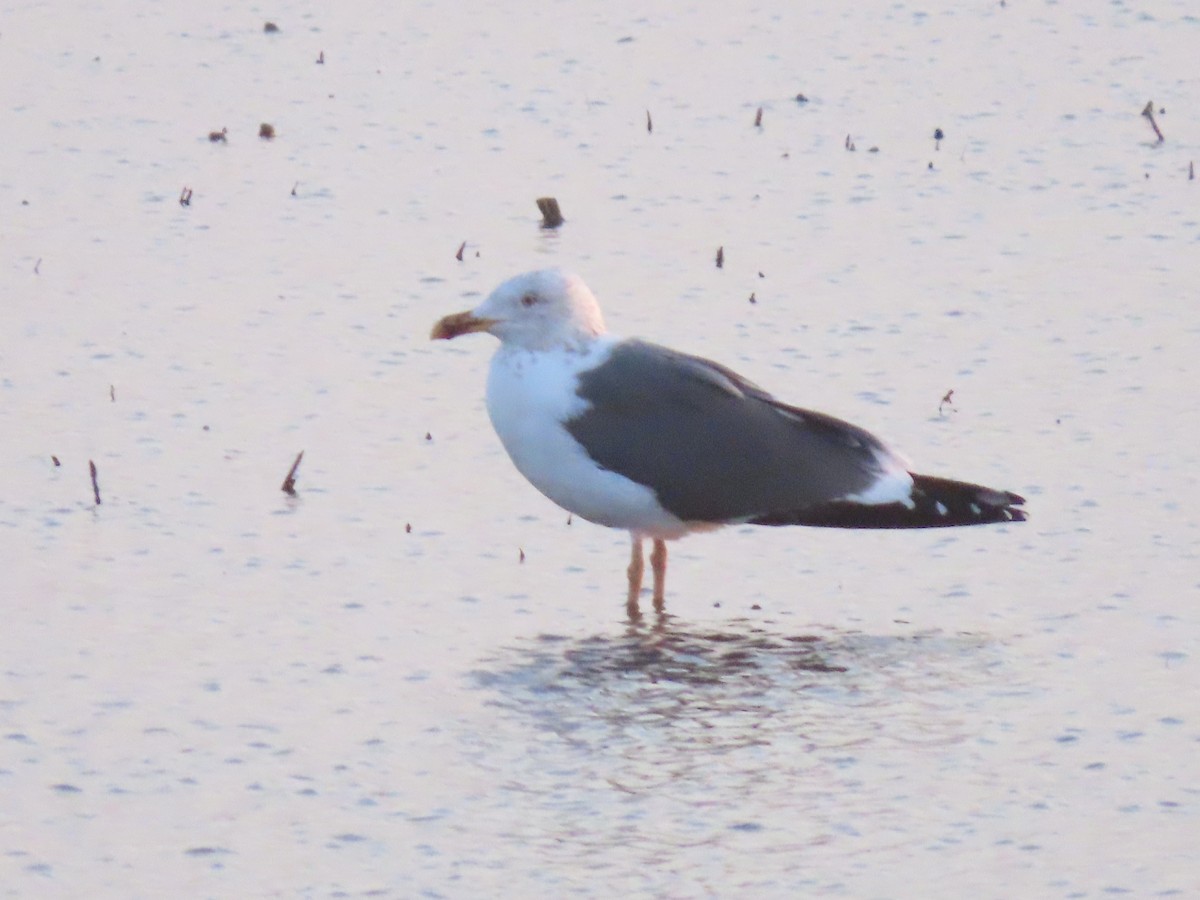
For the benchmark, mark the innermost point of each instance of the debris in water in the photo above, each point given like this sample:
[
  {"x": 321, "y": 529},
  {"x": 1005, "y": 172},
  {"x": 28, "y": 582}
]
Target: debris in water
[
  {"x": 721, "y": 257},
  {"x": 95, "y": 484},
  {"x": 289, "y": 483},
  {"x": 270, "y": 28},
  {"x": 947, "y": 400},
  {"x": 938, "y": 134},
  {"x": 266, "y": 131},
  {"x": 551, "y": 214},
  {"x": 649, "y": 123},
  {"x": 1148, "y": 112},
  {"x": 219, "y": 137},
  {"x": 461, "y": 248},
  {"x": 185, "y": 196},
  {"x": 758, "y": 118}
]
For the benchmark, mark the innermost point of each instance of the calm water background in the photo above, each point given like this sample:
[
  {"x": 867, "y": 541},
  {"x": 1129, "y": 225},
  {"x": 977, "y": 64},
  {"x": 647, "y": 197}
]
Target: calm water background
[{"x": 209, "y": 689}]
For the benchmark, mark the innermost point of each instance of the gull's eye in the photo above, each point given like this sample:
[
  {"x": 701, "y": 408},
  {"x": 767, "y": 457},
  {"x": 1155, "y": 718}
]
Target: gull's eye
[{"x": 529, "y": 299}]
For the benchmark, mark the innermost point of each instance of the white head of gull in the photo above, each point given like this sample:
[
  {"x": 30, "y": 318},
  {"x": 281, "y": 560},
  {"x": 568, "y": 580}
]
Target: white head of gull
[{"x": 636, "y": 436}]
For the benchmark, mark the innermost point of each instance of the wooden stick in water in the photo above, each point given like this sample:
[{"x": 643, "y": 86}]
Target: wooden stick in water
[
  {"x": 289, "y": 483},
  {"x": 1148, "y": 112},
  {"x": 551, "y": 214}
]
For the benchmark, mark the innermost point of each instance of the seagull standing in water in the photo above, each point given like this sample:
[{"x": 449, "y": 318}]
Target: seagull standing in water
[{"x": 633, "y": 435}]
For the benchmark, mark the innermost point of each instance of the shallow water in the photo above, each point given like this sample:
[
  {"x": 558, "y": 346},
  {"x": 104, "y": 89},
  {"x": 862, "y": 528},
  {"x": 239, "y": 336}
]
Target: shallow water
[{"x": 416, "y": 677}]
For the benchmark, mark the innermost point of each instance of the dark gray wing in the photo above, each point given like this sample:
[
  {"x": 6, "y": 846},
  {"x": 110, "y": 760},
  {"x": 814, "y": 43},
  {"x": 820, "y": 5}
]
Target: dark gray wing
[{"x": 713, "y": 446}]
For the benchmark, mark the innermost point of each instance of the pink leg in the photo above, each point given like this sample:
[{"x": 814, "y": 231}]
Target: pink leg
[
  {"x": 637, "y": 565},
  {"x": 658, "y": 562}
]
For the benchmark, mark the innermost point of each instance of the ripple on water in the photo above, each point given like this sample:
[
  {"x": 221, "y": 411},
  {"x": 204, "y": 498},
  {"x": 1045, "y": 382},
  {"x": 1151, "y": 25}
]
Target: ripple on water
[{"x": 743, "y": 683}]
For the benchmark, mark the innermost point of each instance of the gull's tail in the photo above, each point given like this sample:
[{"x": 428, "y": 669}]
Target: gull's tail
[{"x": 933, "y": 503}]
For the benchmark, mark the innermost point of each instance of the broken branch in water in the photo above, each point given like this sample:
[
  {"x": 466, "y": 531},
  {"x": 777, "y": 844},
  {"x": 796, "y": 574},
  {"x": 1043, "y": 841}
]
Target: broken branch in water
[
  {"x": 95, "y": 484},
  {"x": 1148, "y": 112},
  {"x": 551, "y": 214},
  {"x": 289, "y": 483}
]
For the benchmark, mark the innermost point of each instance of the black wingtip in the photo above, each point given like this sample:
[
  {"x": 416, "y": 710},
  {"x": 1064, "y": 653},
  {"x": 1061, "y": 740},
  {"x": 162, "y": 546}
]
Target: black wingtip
[{"x": 935, "y": 503}]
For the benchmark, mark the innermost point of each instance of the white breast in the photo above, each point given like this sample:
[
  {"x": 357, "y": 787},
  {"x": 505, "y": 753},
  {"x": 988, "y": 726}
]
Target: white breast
[{"x": 529, "y": 397}]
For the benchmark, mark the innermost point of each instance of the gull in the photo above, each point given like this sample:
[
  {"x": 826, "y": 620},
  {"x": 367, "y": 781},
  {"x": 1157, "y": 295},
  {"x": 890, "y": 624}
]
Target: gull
[{"x": 636, "y": 436}]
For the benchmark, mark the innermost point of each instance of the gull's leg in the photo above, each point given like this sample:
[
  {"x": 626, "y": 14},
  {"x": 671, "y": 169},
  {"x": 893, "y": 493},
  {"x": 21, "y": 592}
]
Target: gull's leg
[
  {"x": 637, "y": 565},
  {"x": 658, "y": 562}
]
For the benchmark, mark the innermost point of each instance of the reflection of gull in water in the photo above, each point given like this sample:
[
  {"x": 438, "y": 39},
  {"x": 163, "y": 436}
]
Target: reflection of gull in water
[
  {"x": 631, "y": 746},
  {"x": 692, "y": 657},
  {"x": 744, "y": 670}
]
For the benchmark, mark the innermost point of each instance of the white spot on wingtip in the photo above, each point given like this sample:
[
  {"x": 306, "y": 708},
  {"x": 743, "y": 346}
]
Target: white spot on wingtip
[
  {"x": 942, "y": 509},
  {"x": 976, "y": 509}
]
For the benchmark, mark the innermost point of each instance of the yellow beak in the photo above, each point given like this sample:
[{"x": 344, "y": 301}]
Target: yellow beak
[{"x": 457, "y": 324}]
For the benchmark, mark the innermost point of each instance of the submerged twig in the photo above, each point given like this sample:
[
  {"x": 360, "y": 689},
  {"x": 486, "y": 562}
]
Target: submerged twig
[
  {"x": 947, "y": 400},
  {"x": 95, "y": 484},
  {"x": 551, "y": 214},
  {"x": 289, "y": 483},
  {"x": 1148, "y": 112}
]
